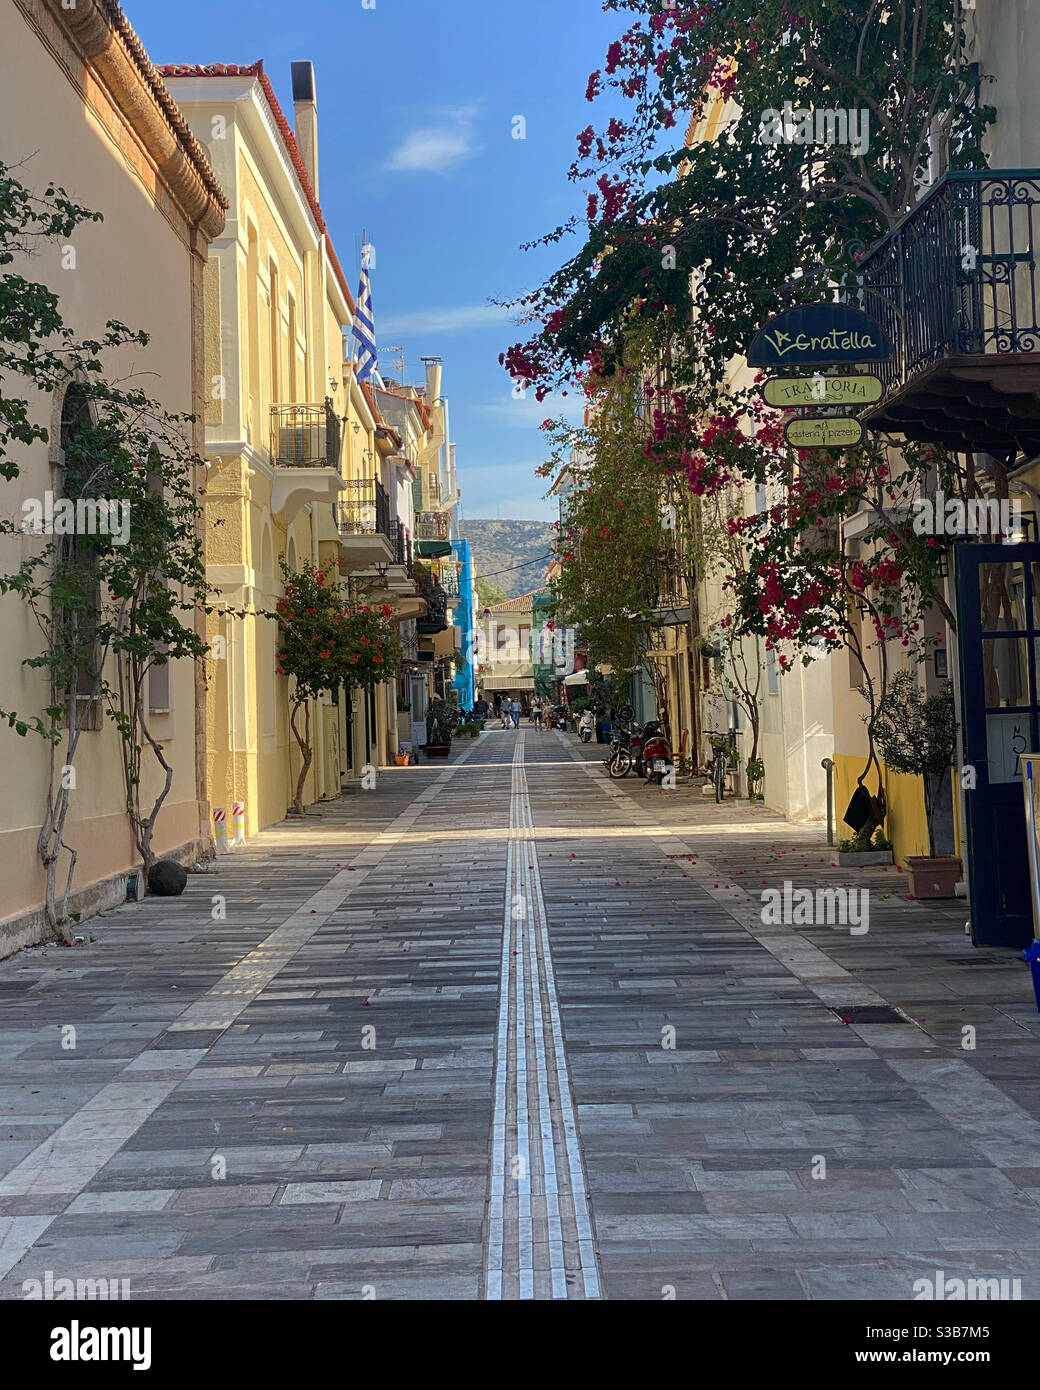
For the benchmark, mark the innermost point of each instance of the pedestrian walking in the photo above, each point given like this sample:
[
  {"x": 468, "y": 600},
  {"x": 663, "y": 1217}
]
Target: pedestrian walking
[
  {"x": 536, "y": 714},
  {"x": 516, "y": 714}
]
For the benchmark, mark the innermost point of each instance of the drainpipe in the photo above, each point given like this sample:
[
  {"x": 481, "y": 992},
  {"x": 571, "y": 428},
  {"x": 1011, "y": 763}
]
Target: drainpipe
[{"x": 828, "y": 766}]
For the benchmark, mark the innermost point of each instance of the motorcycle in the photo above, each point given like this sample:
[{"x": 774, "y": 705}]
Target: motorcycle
[
  {"x": 627, "y": 751},
  {"x": 657, "y": 757},
  {"x": 586, "y": 726}
]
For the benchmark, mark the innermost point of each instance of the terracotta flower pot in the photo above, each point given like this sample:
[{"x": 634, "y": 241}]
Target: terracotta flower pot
[
  {"x": 934, "y": 877},
  {"x": 401, "y": 759}
]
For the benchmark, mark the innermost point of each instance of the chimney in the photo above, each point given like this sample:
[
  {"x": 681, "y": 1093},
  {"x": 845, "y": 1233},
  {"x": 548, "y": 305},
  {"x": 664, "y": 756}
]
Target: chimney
[
  {"x": 305, "y": 109},
  {"x": 433, "y": 379}
]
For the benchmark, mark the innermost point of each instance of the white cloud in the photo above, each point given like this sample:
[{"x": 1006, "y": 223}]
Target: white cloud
[
  {"x": 521, "y": 412},
  {"x": 437, "y": 146},
  {"x": 461, "y": 319}
]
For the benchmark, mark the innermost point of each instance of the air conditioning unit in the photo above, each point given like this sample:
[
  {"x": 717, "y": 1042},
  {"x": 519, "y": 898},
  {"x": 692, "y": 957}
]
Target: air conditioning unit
[{"x": 302, "y": 444}]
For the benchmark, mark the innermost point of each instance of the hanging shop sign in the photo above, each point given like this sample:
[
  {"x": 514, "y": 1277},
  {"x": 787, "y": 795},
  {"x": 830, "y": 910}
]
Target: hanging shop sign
[
  {"x": 819, "y": 335},
  {"x": 788, "y": 391},
  {"x": 824, "y": 432}
]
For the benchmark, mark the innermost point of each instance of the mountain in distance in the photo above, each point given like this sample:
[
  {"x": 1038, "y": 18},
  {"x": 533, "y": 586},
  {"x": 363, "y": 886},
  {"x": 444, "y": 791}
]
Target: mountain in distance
[{"x": 498, "y": 546}]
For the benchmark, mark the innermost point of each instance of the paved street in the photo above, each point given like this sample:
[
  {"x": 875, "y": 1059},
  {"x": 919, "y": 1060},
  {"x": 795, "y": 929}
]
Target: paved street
[{"x": 504, "y": 1029}]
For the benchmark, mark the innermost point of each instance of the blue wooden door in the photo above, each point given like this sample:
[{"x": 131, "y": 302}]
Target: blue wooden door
[{"x": 998, "y": 614}]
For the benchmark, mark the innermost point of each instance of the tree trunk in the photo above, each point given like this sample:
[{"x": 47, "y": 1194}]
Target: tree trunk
[{"x": 306, "y": 752}]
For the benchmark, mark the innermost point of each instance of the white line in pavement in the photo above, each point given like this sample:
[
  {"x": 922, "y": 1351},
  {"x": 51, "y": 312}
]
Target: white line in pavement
[
  {"x": 69, "y": 1159},
  {"x": 539, "y": 1202}
]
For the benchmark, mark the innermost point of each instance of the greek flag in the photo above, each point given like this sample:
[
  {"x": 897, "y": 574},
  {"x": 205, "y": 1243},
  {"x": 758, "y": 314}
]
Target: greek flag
[{"x": 364, "y": 328}]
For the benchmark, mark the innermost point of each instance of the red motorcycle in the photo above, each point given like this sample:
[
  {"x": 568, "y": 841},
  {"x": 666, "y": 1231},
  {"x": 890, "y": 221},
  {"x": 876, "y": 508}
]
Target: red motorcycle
[{"x": 657, "y": 762}]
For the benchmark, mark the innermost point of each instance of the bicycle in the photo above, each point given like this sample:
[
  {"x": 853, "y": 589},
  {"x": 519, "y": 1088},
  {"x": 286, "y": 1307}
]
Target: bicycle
[{"x": 724, "y": 748}]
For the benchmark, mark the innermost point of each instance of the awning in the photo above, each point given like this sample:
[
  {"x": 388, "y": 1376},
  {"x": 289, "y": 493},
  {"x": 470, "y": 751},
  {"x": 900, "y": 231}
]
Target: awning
[
  {"x": 507, "y": 683},
  {"x": 577, "y": 678},
  {"x": 432, "y": 550}
]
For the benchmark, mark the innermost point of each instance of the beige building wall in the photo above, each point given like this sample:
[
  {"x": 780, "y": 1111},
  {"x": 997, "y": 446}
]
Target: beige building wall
[{"x": 95, "y": 126}]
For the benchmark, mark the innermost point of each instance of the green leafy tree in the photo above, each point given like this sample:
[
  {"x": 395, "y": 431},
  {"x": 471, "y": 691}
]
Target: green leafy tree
[
  {"x": 917, "y": 734},
  {"x": 327, "y": 642},
  {"x": 489, "y": 594}
]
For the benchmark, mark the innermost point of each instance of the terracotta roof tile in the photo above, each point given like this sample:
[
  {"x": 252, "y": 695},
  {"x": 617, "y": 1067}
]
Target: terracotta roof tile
[{"x": 523, "y": 604}]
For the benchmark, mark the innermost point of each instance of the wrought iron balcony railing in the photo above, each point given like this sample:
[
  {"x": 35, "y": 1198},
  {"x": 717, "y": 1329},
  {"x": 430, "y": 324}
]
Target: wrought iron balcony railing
[
  {"x": 958, "y": 277},
  {"x": 364, "y": 509},
  {"x": 306, "y": 436},
  {"x": 436, "y": 619}
]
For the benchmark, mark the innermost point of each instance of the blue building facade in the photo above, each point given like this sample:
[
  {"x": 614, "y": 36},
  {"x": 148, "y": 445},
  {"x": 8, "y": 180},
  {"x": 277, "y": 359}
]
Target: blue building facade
[{"x": 464, "y": 682}]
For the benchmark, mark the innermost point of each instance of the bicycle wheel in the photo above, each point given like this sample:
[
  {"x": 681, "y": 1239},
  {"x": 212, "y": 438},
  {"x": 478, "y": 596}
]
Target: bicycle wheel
[{"x": 719, "y": 776}]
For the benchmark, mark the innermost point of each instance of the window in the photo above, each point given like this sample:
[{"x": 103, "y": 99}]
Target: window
[
  {"x": 253, "y": 331},
  {"x": 79, "y": 625},
  {"x": 294, "y": 394},
  {"x": 159, "y": 686},
  {"x": 276, "y": 311}
]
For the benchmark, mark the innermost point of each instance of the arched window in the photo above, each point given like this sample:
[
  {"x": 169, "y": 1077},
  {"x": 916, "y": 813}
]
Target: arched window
[{"x": 76, "y": 417}]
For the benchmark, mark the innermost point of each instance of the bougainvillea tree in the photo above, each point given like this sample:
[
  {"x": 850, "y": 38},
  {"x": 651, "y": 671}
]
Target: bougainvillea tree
[
  {"x": 739, "y": 225},
  {"x": 327, "y": 643}
]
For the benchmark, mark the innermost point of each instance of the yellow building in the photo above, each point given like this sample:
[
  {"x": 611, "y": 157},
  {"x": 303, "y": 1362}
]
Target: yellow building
[
  {"x": 300, "y": 458},
  {"x": 507, "y": 660},
  {"x": 81, "y": 106}
]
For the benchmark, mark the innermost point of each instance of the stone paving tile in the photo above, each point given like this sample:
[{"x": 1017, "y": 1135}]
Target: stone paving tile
[{"x": 297, "y": 1102}]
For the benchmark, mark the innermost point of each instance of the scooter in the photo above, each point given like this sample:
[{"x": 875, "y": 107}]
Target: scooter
[
  {"x": 586, "y": 726},
  {"x": 657, "y": 756},
  {"x": 627, "y": 751}
]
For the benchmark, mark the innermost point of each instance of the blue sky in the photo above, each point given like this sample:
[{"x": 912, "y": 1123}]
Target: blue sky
[{"x": 416, "y": 100}]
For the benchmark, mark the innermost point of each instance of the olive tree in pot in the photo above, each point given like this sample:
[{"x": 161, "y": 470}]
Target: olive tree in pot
[{"x": 917, "y": 735}]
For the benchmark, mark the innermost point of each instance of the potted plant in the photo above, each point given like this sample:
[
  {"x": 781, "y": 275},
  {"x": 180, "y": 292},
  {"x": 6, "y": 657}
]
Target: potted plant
[
  {"x": 917, "y": 735},
  {"x": 756, "y": 771},
  {"x": 438, "y": 730},
  {"x": 401, "y": 758},
  {"x": 848, "y": 857}
]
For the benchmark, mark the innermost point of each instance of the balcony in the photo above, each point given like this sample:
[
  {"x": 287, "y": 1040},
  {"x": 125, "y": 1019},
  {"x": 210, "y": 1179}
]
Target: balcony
[
  {"x": 431, "y": 535},
  {"x": 306, "y": 436},
  {"x": 305, "y": 446},
  {"x": 403, "y": 555},
  {"x": 955, "y": 287},
  {"x": 367, "y": 534},
  {"x": 436, "y": 618}
]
